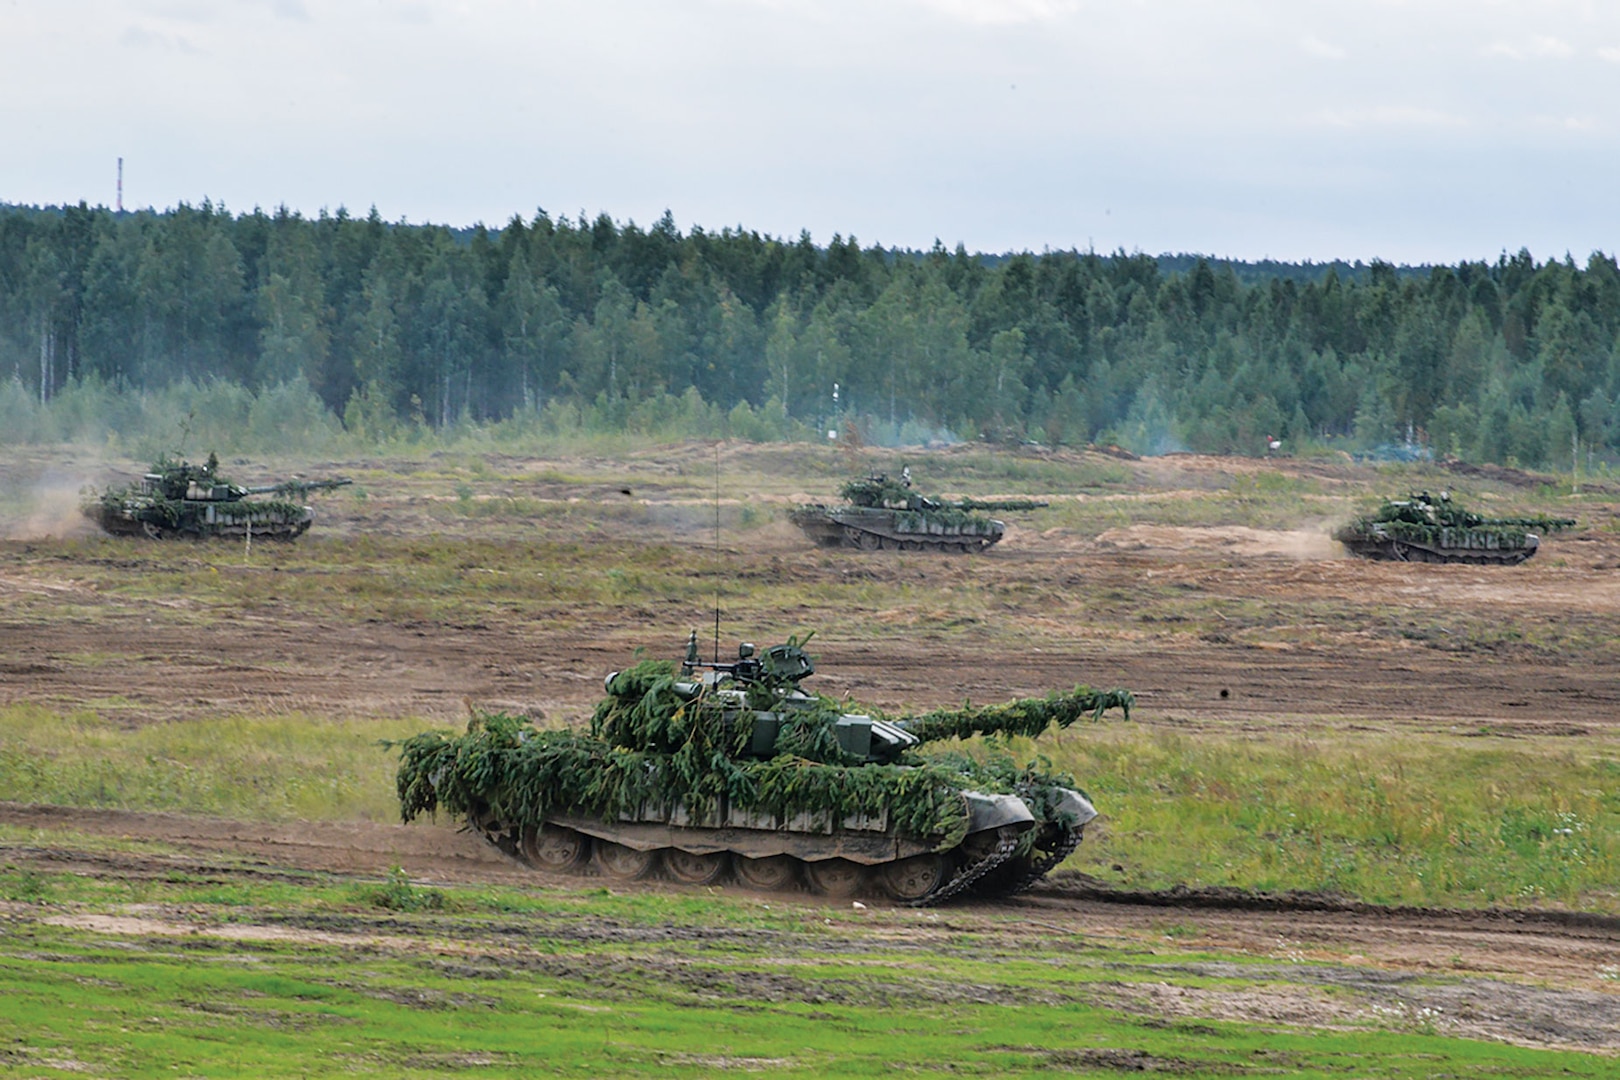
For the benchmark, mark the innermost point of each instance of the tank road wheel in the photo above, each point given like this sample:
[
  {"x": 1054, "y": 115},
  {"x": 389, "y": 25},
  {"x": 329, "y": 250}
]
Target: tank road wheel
[
  {"x": 690, "y": 869},
  {"x": 556, "y": 849},
  {"x": 870, "y": 542},
  {"x": 910, "y": 880},
  {"x": 768, "y": 874},
  {"x": 837, "y": 878},
  {"x": 622, "y": 863},
  {"x": 152, "y": 531}
]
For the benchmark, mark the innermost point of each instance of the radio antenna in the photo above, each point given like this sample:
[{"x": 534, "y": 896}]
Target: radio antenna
[{"x": 717, "y": 551}]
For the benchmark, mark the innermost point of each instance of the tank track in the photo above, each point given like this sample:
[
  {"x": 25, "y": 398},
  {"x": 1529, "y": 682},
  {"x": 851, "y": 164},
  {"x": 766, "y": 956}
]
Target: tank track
[
  {"x": 1404, "y": 551},
  {"x": 506, "y": 838},
  {"x": 1044, "y": 865},
  {"x": 864, "y": 540},
  {"x": 1020, "y": 874},
  {"x": 966, "y": 877}
]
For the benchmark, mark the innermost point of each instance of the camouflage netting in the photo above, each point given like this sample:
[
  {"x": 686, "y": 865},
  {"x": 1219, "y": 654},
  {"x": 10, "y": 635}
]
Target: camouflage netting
[{"x": 649, "y": 746}]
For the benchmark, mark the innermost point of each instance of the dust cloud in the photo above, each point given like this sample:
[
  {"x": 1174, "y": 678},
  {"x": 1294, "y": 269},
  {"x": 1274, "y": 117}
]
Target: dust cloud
[{"x": 46, "y": 507}]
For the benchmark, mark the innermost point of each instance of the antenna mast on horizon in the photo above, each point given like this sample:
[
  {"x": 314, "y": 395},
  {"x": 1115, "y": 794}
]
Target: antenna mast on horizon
[{"x": 119, "y": 205}]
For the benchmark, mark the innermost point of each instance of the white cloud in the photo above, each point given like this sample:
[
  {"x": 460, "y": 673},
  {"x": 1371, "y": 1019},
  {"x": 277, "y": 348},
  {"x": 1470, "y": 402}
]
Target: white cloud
[
  {"x": 1315, "y": 46},
  {"x": 1001, "y": 12},
  {"x": 1390, "y": 116},
  {"x": 1609, "y": 53},
  {"x": 1551, "y": 48},
  {"x": 141, "y": 38}
]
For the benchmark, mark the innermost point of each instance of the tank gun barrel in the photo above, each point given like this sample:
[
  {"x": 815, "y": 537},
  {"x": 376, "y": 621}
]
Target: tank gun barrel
[
  {"x": 296, "y": 487},
  {"x": 1000, "y": 504},
  {"x": 1026, "y": 716}
]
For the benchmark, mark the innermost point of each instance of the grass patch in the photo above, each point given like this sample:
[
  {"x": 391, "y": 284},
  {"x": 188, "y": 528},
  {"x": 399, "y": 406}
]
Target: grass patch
[
  {"x": 1427, "y": 820},
  {"x": 299, "y": 979},
  {"x": 268, "y": 768}
]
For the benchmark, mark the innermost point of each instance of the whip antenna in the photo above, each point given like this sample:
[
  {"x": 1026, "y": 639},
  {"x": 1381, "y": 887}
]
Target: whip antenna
[{"x": 717, "y": 551}]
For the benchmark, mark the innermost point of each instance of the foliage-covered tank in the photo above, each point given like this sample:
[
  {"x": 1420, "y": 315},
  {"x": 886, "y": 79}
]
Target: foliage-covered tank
[
  {"x": 1425, "y": 528},
  {"x": 180, "y": 499},
  {"x": 880, "y": 513},
  {"x": 708, "y": 770}
]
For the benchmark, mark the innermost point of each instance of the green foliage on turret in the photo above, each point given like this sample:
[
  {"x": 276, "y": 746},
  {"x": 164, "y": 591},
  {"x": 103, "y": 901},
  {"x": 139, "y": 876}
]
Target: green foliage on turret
[
  {"x": 658, "y": 740},
  {"x": 505, "y": 768},
  {"x": 877, "y": 491}
]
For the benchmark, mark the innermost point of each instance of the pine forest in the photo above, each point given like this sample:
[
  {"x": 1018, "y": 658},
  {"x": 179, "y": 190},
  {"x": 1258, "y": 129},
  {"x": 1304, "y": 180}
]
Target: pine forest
[{"x": 375, "y": 328}]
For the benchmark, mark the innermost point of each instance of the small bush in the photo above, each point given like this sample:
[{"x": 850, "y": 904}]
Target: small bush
[{"x": 398, "y": 894}]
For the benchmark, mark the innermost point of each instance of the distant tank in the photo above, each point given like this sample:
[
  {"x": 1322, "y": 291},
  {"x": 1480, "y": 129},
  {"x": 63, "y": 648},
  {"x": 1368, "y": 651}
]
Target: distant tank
[
  {"x": 178, "y": 499},
  {"x": 708, "y": 771},
  {"x": 884, "y": 514},
  {"x": 1425, "y": 528}
]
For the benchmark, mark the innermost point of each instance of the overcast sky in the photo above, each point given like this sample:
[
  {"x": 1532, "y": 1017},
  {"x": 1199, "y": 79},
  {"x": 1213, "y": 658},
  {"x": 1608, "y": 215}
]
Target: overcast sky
[{"x": 1410, "y": 130}]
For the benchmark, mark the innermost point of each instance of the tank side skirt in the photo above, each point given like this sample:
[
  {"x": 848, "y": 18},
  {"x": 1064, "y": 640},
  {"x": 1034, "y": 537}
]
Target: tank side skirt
[{"x": 751, "y": 843}]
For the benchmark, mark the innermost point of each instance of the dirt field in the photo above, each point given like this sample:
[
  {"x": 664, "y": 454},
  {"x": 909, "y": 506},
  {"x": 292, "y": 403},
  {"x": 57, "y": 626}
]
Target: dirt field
[
  {"x": 1228, "y": 626},
  {"x": 1235, "y": 627}
]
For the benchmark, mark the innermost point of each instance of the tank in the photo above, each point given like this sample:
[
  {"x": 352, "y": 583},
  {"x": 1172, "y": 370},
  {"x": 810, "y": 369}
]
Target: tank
[
  {"x": 1425, "y": 528},
  {"x": 706, "y": 772},
  {"x": 884, "y": 514},
  {"x": 178, "y": 499}
]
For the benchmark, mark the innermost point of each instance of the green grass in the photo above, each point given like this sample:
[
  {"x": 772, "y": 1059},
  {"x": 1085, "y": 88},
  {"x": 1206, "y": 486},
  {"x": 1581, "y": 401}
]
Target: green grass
[
  {"x": 502, "y": 982},
  {"x": 268, "y": 768},
  {"x": 1426, "y": 820}
]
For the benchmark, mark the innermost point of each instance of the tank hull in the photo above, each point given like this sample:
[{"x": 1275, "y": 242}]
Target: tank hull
[
  {"x": 200, "y": 520},
  {"x": 852, "y": 857},
  {"x": 872, "y": 529},
  {"x": 1468, "y": 547}
]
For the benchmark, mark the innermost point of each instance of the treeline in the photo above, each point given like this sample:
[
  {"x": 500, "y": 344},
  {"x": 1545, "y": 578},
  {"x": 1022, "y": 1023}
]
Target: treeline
[{"x": 394, "y": 324}]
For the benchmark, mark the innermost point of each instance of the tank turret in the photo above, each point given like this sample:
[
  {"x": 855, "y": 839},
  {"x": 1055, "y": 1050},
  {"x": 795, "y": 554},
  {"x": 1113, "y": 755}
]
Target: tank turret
[
  {"x": 1429, "y": 528},
  {"x": 178, "y": 498},
  {"x": 882, "y": 513},
  {"x": 704, "y": 770}
]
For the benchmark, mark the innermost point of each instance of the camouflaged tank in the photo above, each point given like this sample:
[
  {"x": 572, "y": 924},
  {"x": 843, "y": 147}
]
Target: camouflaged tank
[
  {"x": 178, "y": 499},
  {"x": 708, "y": 771},
  {"x": 1425, "y": 528},
  {"x": 884, "y": 514}
]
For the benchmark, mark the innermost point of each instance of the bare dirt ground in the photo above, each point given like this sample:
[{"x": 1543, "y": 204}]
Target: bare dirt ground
[
  {"x": 1214, "y": 627},
  {"x": 1289, "y": 665}
]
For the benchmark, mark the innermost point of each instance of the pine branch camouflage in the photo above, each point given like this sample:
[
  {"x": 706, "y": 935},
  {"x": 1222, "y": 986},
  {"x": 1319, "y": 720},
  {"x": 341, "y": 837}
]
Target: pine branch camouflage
[{"x": 655, "y": 742}]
